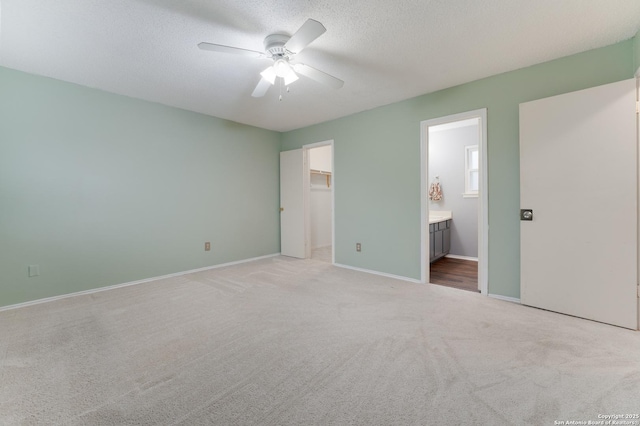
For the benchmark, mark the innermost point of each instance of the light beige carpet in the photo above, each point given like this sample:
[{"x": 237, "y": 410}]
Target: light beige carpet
[
  {"x": 300, "y": 342},
  {"x": 322, "y": 254}
]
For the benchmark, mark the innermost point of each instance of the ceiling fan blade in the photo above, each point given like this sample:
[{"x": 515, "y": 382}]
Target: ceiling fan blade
[
  {"x": 261, "y": 88},
  {"x": 319, "y": 76},
  {"x": 308, "y": 32},
  {"x": 228, "y": 49}
]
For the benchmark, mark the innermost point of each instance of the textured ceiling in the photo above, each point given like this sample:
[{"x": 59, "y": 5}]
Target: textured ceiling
[{"x": 384, "y": 51}]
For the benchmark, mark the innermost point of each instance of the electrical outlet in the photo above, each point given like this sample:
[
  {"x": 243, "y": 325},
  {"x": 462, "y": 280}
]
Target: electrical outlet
[
  {"x": 358, "y": 247},
  {"x": 34, "y": 270},
  {"x": 207, "y": 246}
]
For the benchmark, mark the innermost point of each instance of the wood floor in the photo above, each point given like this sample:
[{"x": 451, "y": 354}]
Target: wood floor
[{"x": 457, "y": 273}]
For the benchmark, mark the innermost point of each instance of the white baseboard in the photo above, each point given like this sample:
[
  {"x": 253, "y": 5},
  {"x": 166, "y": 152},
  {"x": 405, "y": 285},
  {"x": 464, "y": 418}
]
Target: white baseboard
[
  {"x": 142, "y": 281},
  {"x": 505, "y": 298},
  {"x": 455, "y": 256},
  {"x": 383, "y": 274}
]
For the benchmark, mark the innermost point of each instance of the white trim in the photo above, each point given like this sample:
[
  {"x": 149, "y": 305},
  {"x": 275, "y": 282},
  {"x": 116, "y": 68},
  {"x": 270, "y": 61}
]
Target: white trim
[
  {"x": 142, "y": 281},
  {"x": 505, "y": 298},
  {"x": 318, "y": 145},
  {"x": 382, "y": 274},
  {"x": 455, "y": 256},
  {"x": 424, "y": 210},
  {"x": 468, "y": 169},
  {"x": 470, "y": 195},
  {"x": 483, "y": 199},
  {"x": 456, "y": 125},
  {"x": 306, "y": 200},
  {"x": 307, "y": 209}
]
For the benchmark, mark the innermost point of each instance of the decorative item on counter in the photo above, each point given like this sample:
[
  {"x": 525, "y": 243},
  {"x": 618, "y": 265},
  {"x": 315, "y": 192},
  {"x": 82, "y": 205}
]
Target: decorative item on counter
[{"x": 435, "y": 191}]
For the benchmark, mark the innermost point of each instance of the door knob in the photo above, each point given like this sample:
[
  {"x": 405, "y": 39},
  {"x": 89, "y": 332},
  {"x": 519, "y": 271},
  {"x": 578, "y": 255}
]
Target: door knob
[{"x": 526, "y": 214}]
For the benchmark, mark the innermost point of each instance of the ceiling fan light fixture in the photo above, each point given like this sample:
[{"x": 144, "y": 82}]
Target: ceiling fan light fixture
[
  {"x": 290, "y": 78},
  {"x": 269, "y": 74},
  {"x": 282, "y": 68}
]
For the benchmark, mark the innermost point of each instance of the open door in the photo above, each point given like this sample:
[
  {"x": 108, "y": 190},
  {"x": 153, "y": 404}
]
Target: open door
[
  {"x": 578, "y": 192},
  {"x": 292, "y": 204}
]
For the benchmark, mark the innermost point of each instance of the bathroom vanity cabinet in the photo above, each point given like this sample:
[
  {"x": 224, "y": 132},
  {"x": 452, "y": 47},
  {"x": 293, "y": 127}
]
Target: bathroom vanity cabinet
[{"x": 439, "y": 239}]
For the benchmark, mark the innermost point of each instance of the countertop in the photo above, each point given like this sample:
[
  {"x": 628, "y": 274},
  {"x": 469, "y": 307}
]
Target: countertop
[{"x": 436, "y": 216}]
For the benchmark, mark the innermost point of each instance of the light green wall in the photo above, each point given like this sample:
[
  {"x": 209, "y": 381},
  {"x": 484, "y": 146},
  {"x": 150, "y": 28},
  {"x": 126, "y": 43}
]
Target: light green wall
[
  {"x": 636, "y": 53},
  {"x": 377, "y": 163},
  {"x": 100, "y": 189}
]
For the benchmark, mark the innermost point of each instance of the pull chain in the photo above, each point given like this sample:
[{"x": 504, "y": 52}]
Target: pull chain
[{"x": 280, "y": 88}]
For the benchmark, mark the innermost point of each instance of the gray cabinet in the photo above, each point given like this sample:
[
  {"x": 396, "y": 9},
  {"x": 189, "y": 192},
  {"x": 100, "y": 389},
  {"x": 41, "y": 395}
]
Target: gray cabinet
[
  {"x": 446, "y": 241},
  {"x": 439, "y": 239},
  {"x": 432, "y": 240}
]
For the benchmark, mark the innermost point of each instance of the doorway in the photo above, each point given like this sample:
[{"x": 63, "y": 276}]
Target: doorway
[
  {"x": 307, "y": 183},
  {"x": 319, "y": 213},
  {"x": 454, "y": 201}
]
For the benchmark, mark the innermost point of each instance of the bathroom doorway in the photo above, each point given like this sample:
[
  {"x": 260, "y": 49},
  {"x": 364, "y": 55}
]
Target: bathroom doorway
[{"x": 454, "y": 201}]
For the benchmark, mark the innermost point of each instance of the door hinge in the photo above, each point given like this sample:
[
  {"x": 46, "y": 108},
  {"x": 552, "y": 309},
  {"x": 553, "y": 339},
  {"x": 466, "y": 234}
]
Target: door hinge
[{"x": 637, "y": 107}]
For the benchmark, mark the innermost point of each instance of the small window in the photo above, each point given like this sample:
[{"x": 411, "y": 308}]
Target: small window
[{"x": 471, "y": 172}]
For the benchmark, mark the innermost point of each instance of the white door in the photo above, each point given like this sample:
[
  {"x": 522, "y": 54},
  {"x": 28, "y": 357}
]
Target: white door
[
  {"x": 292, "y": 217},
  {"x": 578, "y": 173}
]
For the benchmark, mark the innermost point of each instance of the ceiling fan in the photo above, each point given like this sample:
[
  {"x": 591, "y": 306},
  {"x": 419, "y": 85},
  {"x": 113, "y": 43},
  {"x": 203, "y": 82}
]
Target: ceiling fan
[{"x": 282, "y": 49}]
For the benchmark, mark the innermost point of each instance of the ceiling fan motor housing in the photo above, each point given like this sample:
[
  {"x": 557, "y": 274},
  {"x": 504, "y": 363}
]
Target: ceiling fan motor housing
[{"x": 274, "y": 45}]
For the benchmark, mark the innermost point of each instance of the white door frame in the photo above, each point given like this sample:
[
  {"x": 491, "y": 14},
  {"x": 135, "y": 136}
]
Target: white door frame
[
  {"x": 638, "y": 162},
  {"x": 483, "y": 199},
  {"x": 307, "y": 195}
]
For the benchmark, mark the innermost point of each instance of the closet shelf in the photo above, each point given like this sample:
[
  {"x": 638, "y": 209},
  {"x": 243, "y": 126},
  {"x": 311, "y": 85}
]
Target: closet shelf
[{"x": 323, "y": 173}]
